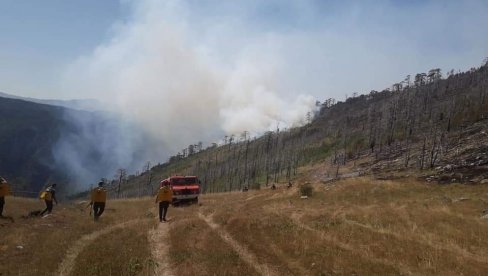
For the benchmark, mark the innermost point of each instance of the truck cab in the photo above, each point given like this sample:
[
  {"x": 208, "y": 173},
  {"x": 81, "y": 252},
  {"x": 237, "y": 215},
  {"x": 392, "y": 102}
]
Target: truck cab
[{"x": 185, "y": 188}]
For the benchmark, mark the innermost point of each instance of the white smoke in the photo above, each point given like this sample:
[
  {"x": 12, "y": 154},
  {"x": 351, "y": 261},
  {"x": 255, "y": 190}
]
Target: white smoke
[{"x": 160, "y": 70}]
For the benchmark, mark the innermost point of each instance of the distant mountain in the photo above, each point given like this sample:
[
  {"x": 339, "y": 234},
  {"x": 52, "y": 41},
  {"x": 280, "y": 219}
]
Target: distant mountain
[
  {"x": 42, "y": 143},
  {"x": 27, "y": 132},
  {"x": 79, "y": 104}
]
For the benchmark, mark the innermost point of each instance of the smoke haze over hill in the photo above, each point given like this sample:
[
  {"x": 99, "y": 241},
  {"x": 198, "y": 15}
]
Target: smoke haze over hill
[
  {"x": 150, "y": 74},
  {"x": 186, "y": 72},
  {"x": 176, "y": 89}
]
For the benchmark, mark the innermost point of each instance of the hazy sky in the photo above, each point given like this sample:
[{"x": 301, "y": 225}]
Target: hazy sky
[
  {"x": 321, "y": 48},
  {"x": 205, "y": 67}
]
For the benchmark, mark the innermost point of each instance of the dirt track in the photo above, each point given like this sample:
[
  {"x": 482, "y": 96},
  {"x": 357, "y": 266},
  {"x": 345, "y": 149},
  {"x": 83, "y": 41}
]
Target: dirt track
[
  {"x": 69, "y": 260},
  {"x": 158, "y": 239},
  {"x": 243, "y": 252}
]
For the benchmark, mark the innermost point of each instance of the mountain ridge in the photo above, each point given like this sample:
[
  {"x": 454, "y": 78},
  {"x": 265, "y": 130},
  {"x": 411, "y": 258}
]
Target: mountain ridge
[{"x": 79, "y": 104}]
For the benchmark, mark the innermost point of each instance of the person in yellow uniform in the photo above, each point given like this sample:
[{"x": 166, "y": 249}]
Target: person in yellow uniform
[
  {"x": 98, "y": 199},
  {"x": 4, "y": 191},
  {"x": 49, "y": 195},
  {"x": 164, "y": 197}
]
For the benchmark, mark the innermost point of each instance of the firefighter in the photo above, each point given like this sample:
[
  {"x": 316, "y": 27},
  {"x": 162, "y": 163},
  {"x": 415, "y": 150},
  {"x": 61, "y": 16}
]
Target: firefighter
[
  {"x": 4, "y": 191},
  {"x": 49, "y": 195},
  {"x": 164, "y": 197},
  {"x": 98, "y": 199}
]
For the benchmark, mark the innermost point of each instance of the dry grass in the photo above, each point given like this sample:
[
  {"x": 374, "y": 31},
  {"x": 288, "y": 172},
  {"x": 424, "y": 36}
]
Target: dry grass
[
  {"x": 125, "y": 252},
  {"x": 196, "y": 249},
  {"x": 354, "y": 226},
  {"x": 46, "y": 241},
  {"x": 362, "y": 226}
]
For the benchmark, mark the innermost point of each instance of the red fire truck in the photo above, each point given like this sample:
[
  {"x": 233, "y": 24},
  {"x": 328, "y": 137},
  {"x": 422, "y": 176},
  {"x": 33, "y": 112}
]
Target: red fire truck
[{"x": 185, "y": 188}]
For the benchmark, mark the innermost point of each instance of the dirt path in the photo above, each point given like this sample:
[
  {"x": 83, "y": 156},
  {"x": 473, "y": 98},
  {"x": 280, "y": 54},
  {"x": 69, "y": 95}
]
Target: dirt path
[
  {"x": 244, "y": 253},
  {"x": 68, "y": 262},
  {"x": 158, "y": 239}
]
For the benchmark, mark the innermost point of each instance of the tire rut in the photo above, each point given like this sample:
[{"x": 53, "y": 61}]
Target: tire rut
[
  {"x": 66, "y": 266},
  {"x": 246, "y": 255},
  {"x": 158, "y": 238}
]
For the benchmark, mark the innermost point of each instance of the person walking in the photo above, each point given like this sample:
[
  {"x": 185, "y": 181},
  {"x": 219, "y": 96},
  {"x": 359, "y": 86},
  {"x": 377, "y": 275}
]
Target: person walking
[
  {"x": 98, "y": 199},
  {"x": 164, "y": 197},
  {"x": 4, "y": 191},
  {"x": 49, "y": 195}
]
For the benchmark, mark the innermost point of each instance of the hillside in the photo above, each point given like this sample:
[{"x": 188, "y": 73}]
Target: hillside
[
  {"x": 374, "y": 165},
  {"x": 432, "y": 127},
  {"x": 28, "y": 132},
  {"x": 41, "y": 143}
]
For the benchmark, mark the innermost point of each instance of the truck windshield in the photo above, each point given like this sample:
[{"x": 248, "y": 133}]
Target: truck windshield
[{"x": 184, "y": 181}]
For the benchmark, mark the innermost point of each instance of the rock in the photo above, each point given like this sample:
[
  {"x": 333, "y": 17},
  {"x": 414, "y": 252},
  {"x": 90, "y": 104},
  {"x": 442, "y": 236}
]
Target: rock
[
  {"x": 485, "y": 216},
  {"x": 20, "y": 247},
  {"x": 447, "y": 168},
  {"x": 484, "y": 181},
  {"x": 304, "y": 197},
  {"x": 461, "y": 199}
]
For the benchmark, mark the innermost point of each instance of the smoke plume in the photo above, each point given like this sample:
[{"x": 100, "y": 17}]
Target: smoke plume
[{"x": 178, "y": 83}]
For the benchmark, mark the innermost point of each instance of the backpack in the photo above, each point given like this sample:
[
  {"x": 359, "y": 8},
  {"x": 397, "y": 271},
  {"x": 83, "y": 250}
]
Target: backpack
[{"x": 46, "y": 194}]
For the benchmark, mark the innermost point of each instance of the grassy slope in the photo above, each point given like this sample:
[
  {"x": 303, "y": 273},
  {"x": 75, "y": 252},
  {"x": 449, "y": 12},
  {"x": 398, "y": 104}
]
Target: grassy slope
[
  {"x": 365, "y": 227},
  {"x": 360, "y": 226}
]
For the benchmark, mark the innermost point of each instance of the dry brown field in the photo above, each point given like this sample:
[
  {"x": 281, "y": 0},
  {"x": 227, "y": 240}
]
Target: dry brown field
[{"x": 356, "y": 226}]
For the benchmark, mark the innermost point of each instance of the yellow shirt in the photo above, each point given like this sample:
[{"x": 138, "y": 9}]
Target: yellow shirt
[
  {"x": 99, "y": 195},
  {"x": 4, "y": 189},
  {"x": 165, "y": 194}
]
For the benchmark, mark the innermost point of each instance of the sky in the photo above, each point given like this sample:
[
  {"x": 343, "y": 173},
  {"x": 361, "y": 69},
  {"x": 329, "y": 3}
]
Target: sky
[
  {"x": 319, "y": 45},
  {"x": 237, "y": 65}
]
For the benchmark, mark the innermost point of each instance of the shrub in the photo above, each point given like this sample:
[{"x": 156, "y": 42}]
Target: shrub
[{"x": 306, "y": 190}]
